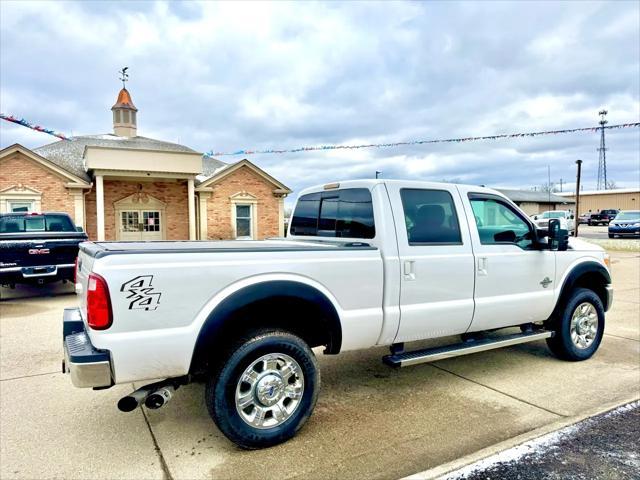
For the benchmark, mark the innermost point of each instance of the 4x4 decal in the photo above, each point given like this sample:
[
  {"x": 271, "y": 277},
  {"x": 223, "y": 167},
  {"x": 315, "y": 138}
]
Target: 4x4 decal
[{"x": 141, "y": 293}]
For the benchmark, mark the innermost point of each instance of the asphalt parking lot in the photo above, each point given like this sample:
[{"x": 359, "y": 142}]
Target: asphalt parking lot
[{"x": 370, "y": 421}]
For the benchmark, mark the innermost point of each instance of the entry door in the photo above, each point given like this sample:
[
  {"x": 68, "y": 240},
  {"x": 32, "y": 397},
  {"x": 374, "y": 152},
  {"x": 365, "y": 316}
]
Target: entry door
[
  {"x": 140, "y": 225},
  {"x": 436, "y": 261},
  {"x": 514, "y": 280}
]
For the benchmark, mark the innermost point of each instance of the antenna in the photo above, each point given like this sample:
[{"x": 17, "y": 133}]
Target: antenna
[
  {"x": 602, "y": 156},
  {"x": 124, "y": 76}
]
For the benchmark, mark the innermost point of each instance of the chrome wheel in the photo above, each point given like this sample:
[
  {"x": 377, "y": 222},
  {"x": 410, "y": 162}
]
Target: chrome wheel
[
  {"x": 584, "y": 325},
  {"x": 269, "y": 390}
]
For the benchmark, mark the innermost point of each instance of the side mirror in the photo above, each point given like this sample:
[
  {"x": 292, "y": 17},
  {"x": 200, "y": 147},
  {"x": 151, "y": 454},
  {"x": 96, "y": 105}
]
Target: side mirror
[
  {"x": 558, "y": 237},
  {"x": 535, "y": 217},
  {"x": 79, "y": 229}
]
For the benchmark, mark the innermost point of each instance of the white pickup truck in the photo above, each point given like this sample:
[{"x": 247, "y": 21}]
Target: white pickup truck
[{"x": 366, "y": 263}]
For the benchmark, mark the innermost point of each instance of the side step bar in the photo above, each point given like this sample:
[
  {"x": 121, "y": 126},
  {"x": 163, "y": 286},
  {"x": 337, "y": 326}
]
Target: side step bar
[{"x": 406, "y": 359}]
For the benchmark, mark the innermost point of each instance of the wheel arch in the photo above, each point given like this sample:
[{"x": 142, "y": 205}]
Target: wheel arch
[
  {"x": 589, "y": 274},
  {"x": 282, "y": 301}
]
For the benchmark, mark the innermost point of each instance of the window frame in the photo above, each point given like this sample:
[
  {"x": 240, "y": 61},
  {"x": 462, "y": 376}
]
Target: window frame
[
  {"x": 30, "y": 207},
  {"x": 512, "y": 208},
  {"x": 453, "y": 209},
  {"x": 236, "y": 218}
]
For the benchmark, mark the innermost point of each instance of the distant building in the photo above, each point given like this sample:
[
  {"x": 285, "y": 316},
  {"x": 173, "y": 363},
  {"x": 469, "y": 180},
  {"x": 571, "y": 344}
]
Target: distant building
[
  {"x": 533, "y": 202},
  {"x": 596, "y": 200},
  {"x": 122, "y": 186}
]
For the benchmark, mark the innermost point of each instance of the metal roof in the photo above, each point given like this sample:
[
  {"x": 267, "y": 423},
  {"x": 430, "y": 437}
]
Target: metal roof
[
  {"x": 533, "y": 196},
  {"x": 68, "y": 154}
]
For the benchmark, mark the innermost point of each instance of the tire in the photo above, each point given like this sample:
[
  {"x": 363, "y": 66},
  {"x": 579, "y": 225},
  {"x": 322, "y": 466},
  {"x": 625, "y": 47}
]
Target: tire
[
  {"x": 611, "y": 235},
  {"x": 267, "y": 392},
  {"x": 589, "y": 311}
]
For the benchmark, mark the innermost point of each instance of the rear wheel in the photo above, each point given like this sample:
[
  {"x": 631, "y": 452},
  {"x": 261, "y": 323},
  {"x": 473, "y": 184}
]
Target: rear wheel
[
  {"x": 264, "y": 390},
  {"x": 578, "y": 326}
]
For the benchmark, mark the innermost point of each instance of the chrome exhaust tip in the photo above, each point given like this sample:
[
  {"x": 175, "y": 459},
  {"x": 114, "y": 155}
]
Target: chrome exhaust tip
[{"x": 159, "y": 398}]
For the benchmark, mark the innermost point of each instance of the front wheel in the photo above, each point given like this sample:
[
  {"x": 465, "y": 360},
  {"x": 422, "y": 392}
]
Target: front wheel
[
  {"x": 578, "y": 326},
  {"x": 265, "y": 389}
]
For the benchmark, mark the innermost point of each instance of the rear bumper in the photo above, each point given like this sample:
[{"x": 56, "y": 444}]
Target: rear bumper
[
  {"x": 88, "y": 366},
  {"x": 36, "y": 274}
]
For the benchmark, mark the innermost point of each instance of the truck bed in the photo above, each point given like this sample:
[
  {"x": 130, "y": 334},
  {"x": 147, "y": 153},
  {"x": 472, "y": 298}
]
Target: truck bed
[{"x": 103, "y": 249}]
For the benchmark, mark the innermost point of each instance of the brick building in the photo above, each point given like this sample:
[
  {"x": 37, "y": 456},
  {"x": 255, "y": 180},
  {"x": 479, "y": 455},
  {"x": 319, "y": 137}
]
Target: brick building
[{"x": 122, "y": 186}]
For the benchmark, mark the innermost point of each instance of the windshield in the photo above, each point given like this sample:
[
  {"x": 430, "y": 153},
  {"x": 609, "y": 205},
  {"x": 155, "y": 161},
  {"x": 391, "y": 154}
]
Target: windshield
[
  {"x": 630, "y": 215},
  {"x": 36, "y": 223},
  {"x": 554, "y": 215}
]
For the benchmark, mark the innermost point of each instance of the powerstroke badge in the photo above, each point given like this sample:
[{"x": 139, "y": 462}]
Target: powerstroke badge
[{"x": 141, "y": 293}]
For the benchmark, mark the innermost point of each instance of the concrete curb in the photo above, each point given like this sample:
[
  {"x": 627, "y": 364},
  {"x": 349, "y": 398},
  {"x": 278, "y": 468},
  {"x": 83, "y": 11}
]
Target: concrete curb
[{"x": 447, "y": 468}]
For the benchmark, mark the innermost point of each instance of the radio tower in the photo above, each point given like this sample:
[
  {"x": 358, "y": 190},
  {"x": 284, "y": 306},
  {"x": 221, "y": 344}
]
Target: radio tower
[{"x": 602, "y": 157}]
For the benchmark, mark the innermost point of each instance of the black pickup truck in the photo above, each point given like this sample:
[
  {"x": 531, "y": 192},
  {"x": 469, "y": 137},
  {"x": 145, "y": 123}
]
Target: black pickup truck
[
  {"x": 38, "y": 247},
  {"x": 602, "y": 218}
]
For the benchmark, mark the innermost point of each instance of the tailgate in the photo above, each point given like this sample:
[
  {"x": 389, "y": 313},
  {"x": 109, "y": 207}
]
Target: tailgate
[{"x": 31, "y": 253}]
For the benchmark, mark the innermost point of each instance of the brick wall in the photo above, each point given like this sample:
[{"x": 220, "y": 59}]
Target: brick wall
[
  {"x": 19, "y": 169},
  {"x": 173, "y": 194},
  {"x": 219, "y": 205}
]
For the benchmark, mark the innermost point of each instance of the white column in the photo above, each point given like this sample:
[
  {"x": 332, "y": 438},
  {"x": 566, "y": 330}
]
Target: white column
[
  {"x": 203, "y": 196},
  {"x": 281, "y": 216},
  {"x": 100, "y": 206},
  {"x": 78, "y": 207},
  {"x": 191, "y": 198}
]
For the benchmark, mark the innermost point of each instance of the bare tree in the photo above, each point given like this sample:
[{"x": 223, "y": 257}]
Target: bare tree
[{"x": 545, "y": 187}]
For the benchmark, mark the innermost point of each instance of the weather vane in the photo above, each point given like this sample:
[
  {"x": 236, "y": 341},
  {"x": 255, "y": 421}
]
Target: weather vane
[{"x": 124, "y": 76}]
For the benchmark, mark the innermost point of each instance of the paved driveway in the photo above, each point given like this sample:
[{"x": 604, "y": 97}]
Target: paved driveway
[{"x": 370, "y": 421}]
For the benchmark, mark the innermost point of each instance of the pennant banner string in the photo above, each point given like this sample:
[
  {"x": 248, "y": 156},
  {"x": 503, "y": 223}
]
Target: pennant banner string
[
  {"x": 38, "y": 128},
  {"x": 25, "y": 123},
  {"x": 420, "y": 142}
]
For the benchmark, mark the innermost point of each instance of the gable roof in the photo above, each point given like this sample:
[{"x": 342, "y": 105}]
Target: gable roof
[
  {"x": 68, "y": 154},
  {"x": 82, "y": 179},
  {"x": 533, "y": 196},
  {"x": 222, "y": 172}
]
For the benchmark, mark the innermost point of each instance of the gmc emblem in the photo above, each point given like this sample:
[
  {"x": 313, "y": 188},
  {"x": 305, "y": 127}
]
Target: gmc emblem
[{"x": 38, "y": 251}]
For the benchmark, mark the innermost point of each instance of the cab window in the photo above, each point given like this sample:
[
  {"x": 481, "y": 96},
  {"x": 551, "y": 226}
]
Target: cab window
[
  {"x": 498, "y": 223},
  {"x": 346, "y": 213}
]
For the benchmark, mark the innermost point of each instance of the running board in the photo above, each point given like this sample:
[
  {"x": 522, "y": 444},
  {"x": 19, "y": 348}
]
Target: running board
[{"x": 406, "y": 359}]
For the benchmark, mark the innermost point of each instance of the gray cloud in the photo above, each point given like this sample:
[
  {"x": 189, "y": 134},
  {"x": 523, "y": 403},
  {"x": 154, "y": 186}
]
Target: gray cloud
[{"x": 226, "y": 76}]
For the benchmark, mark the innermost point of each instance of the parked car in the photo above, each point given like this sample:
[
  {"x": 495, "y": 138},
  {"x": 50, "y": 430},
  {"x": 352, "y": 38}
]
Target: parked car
[
  {"x": 584, "y": 218},
  {"x": 566, "y": 218},
  {"x": 627, "y": 222},
  {"x": 603, "y": 218},
  {"x": 366, "y": 263},
  {"x": 37, "y": 247}
]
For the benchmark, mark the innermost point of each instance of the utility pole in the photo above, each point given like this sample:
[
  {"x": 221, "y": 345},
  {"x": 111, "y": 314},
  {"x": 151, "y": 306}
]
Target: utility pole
[
  {"x": 561, "y": 182},
  {"x": 602, "y": 155},
  {"x": 378, "y": 174},
  {"x": 575, "y": 215},
  {"x": 549, "y": 184}
]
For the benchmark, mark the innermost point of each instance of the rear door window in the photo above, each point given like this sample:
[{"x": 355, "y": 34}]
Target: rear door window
[
  {"x": 346, "y": 213},
  {"x": 430, "y": 217}
]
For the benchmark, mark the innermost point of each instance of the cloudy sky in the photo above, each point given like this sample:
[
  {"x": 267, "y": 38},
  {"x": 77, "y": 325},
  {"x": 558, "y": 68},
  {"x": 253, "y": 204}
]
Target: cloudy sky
[{"x": 229, "y": 76}]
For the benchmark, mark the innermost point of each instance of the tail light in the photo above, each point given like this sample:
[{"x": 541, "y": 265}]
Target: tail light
[
  {"x": 99, "y": 314},
  {"x": 75, "y": 272}
]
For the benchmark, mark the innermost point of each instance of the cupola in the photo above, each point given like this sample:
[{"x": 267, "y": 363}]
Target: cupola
[{"x": 124, "y": 115}]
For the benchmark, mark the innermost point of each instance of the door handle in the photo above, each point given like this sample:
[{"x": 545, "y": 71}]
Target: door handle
[
  {"x": 483, "y": 266},
  {"x": 409, "y": 272}
]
